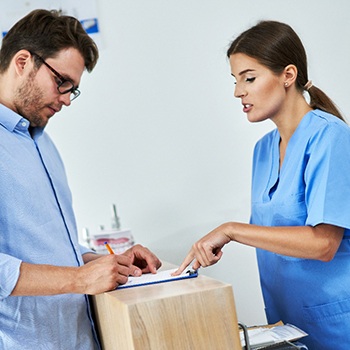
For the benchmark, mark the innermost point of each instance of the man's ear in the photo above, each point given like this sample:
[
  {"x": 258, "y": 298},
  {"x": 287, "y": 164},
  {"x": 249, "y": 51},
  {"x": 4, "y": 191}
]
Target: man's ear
[
  {"x": 22, "y": 60},
  {"x": 290, "y": 74}
]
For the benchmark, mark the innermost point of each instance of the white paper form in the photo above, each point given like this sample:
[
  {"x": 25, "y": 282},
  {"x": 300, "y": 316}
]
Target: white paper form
[
  {"x": 159, "y": 277},
  {"x": 264, "y": 336}
]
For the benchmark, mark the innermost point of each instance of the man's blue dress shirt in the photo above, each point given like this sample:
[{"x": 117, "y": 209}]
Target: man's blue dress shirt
[{"x": 37, "y": 225}]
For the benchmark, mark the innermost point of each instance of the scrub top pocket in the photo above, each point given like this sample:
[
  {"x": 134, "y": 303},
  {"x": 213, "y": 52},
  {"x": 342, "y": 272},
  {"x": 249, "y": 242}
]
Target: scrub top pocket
[{"x": 329, "y": 320}]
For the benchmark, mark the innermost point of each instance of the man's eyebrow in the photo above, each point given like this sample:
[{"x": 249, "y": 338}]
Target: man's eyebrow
[
  {"x": 244, "y": 71},
  {"x": 67, "y": 77}
]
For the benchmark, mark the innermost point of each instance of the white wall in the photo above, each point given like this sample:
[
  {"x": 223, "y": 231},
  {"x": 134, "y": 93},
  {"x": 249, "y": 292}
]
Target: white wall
[{"x": 158, "y": 132}]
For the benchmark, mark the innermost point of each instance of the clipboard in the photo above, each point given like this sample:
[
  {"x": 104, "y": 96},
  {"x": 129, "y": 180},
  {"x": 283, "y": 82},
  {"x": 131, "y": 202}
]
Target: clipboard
[{"x": 159, "y": 277}]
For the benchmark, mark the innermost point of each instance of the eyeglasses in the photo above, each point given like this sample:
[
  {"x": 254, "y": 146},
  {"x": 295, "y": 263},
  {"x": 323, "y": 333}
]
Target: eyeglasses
[{"x": 64, "y": 86}]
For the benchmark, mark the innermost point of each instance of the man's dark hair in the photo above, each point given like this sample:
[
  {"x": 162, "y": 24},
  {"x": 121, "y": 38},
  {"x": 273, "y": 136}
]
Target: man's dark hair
[{"x": 46, "y": 33}]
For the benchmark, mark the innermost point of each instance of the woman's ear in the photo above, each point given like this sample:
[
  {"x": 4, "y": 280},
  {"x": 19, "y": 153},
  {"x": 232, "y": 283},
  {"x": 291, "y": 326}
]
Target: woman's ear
[
  {"x": 290, "y": 74},
  {"x": 22, "y": 60}
]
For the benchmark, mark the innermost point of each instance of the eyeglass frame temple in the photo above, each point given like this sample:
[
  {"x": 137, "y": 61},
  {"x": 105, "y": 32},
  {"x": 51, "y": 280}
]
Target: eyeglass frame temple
[{"x": 59, "y": 76}]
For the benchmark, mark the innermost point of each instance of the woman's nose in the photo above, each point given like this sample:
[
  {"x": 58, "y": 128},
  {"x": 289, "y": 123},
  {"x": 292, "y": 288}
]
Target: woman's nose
[{"x": 239, "y": 91}]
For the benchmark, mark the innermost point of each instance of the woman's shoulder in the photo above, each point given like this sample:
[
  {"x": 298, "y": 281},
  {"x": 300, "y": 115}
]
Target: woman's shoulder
[
  {"x": 323, "y": 118},
  {"x": 323, "y": 129}
]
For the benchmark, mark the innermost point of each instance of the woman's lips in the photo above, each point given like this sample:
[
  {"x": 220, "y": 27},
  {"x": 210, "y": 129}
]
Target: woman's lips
[{"x": 247, "y": 107}]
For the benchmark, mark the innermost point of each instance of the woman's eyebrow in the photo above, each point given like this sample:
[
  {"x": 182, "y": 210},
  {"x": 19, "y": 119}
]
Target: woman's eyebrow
[{"x": 244, "y": 71}]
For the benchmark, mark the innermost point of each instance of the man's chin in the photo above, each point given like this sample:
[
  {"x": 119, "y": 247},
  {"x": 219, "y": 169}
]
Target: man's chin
[{"x": 39, "y": 123}]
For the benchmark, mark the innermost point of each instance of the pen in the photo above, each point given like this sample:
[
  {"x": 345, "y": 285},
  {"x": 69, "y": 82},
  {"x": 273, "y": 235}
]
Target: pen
[{"x": 109, "y": 248}]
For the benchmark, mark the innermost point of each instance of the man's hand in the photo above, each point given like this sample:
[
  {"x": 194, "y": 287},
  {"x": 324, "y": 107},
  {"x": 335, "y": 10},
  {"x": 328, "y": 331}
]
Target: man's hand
[
  {"x": 103, "y": 274},
  {"x": 106, "y": 272},
  {"x": 142, "y": 260}
]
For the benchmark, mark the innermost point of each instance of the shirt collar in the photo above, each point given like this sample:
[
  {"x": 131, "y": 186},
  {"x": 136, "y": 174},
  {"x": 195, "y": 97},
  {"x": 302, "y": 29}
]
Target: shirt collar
[
  {"x": 9, "y": 119},
  {"x": 12, "y": 121}
]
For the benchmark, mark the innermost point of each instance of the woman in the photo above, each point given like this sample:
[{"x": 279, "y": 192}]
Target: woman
[{"x": 300, "y": 217}]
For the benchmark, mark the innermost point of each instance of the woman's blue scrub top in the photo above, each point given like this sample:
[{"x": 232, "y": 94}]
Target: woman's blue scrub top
[{"x": 312, "y": 187}]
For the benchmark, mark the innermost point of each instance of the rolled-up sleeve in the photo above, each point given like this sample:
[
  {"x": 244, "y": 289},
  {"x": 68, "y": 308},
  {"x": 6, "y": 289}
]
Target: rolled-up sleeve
[
  {"x": 9, "y": 267},
  {"x": 84, "y": 250}
]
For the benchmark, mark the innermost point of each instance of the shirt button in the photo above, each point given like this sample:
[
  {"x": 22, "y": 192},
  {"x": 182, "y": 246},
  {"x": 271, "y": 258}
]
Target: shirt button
[{"x": 24, "y": 124}]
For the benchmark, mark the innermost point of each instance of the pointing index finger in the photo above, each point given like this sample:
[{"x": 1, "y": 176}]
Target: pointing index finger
[{"x": 189, "y": 258}]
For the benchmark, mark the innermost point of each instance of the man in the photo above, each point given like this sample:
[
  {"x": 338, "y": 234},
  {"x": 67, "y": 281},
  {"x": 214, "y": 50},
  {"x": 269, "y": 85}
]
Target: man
[{"x": 44, "y": 273}]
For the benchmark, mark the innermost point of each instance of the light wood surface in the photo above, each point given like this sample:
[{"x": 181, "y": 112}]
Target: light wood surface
[{"x": 197, "y": 313}]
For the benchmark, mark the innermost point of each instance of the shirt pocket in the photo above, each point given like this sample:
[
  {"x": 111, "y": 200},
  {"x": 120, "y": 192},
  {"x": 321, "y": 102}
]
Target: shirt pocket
[
  {"x": 330, "y": 323},
  {"x": 291, "y": 211},
  {"x": 328, "y": 312}
]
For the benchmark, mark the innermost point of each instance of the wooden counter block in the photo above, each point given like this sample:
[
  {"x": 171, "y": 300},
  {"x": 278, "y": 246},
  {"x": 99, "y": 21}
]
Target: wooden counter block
[{"x": 196, "y": 313}]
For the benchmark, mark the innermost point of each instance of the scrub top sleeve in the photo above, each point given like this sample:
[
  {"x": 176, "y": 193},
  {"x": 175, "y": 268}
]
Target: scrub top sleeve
[
  {"x": 9, "y": 274},
  {"x": 327, "y": 179}
]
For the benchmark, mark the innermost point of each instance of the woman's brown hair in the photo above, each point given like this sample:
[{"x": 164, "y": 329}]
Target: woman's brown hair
[{"x": 276, "y": 45}]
